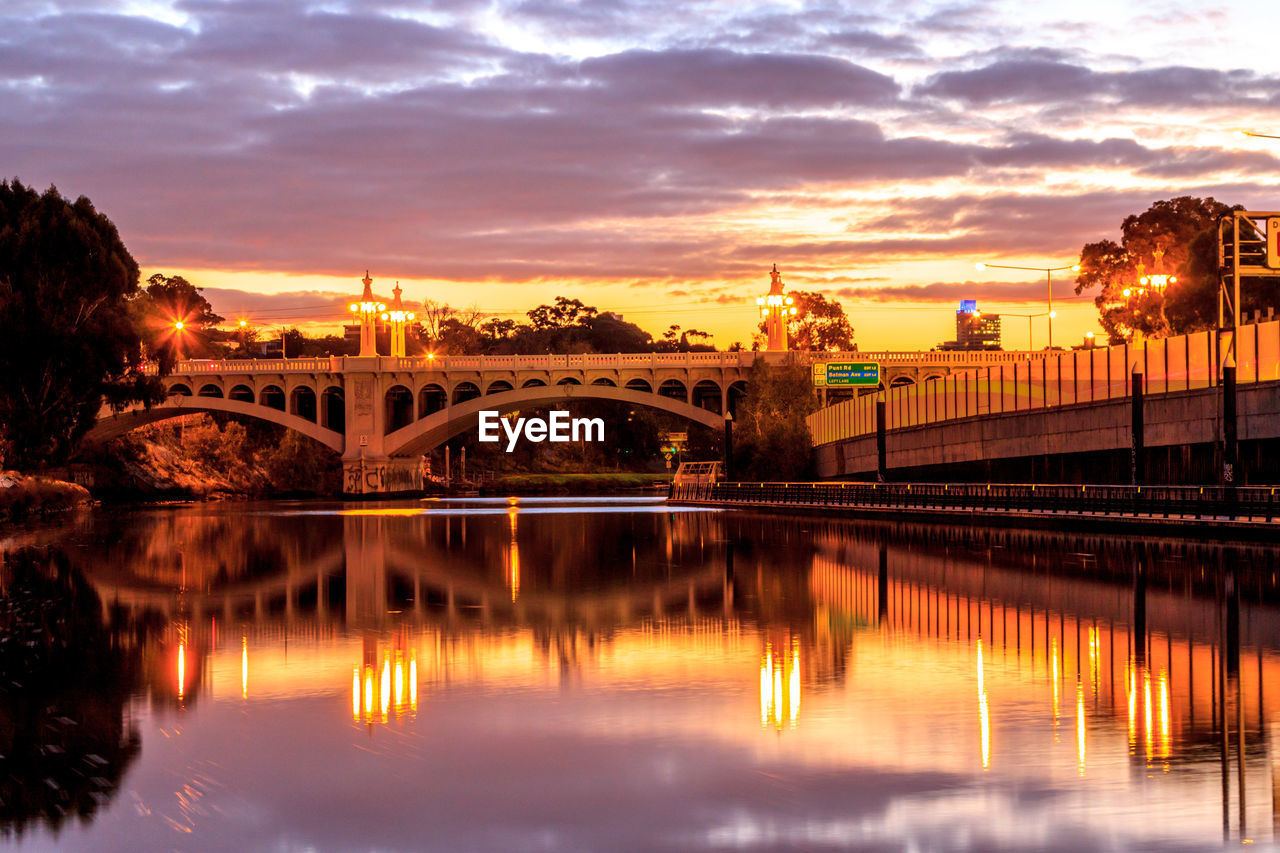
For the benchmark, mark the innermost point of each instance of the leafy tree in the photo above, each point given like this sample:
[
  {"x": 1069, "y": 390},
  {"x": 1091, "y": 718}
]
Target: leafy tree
[
  {"x": 608, "y": 332},
  {"x": 565, "y": 312},
  {"x": 1176, "y": 238},
  {"x": 771, "y": 438},
  {"x": 818, "y": 324},
  {"x": 68, "y": 339},
  {"x": 497, "y": 330}
]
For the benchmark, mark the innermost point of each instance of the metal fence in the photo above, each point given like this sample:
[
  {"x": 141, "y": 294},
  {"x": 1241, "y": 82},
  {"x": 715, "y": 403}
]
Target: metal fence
[
  {"x": 1167, "y": 365},
  {"x": 1257, "y": 502}
]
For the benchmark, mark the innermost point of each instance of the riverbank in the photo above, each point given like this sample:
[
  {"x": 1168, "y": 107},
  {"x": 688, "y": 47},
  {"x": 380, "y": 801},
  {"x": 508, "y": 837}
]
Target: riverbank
[
  {"x": 572, "y": 484},
  {"x": 22, "y": 495}
]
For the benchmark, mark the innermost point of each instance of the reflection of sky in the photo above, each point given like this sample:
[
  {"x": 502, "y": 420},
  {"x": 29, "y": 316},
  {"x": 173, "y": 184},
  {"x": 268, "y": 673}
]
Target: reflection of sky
[{"x": 653, "y": 740}]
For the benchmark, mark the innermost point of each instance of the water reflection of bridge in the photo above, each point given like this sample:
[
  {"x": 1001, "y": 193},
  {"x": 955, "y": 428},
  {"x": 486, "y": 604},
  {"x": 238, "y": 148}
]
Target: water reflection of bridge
[
  {"x": 1189, "y": 682},
  {"x": 1137, "y": 649},
  {"x": 386, "y": 568}
]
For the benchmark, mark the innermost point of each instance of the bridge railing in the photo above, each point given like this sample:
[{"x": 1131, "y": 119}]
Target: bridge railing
[
  {"x": 1168, "y": 365},
  {"x": 1260, "y": 502},
  {"x": 742, "y": 359}
]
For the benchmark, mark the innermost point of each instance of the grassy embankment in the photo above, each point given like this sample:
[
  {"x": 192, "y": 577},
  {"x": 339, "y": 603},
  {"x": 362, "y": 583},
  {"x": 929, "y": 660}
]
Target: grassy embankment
[
  {"x": 572, "y": 484},
  {"x": 22, "y": 494}
]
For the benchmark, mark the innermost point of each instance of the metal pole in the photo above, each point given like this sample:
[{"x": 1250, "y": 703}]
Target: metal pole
[
  {"x": 728, "y": 447},
  {"x": 880, "y": 442},
  {"x": 1049, "y": 276},
  {"x": 1229, "y": 446},
  {"x": 1137, "y": 461}
]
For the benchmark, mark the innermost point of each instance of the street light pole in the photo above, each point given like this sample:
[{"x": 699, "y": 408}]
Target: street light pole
[
  {"x": 1031, "y": 344},
  {"x": 1048, "y": 272}
]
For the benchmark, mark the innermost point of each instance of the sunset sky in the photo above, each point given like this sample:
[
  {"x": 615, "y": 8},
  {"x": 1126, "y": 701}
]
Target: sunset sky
[{"x": 653, "y": 158}]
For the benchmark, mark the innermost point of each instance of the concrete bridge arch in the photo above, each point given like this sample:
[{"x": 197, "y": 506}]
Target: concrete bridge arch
[
  {"x": 433, "y": 430},
  {"x": 117, "y": 424}
]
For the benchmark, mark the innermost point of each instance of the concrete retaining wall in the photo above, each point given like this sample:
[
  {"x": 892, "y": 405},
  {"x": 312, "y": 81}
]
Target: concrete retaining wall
[{"x": 1084, "y": 443}]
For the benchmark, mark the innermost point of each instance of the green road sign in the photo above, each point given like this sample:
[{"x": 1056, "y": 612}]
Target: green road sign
[{"x": 847, "y": 373}]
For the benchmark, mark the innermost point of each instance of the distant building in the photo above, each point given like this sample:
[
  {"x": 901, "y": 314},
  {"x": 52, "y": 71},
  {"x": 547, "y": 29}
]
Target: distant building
[{"x": 974, "y": 329}]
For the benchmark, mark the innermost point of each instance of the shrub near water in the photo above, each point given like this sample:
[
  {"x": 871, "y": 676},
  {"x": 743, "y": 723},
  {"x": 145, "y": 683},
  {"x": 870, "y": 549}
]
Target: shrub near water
[{"x": 21, "y": 495}]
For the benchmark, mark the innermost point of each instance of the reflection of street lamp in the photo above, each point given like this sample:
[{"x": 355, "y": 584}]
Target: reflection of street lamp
[{"x": 1048, "y": 272}]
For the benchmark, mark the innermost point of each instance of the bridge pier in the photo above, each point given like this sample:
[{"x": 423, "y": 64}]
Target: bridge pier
[{"x": 366, "y": 467}]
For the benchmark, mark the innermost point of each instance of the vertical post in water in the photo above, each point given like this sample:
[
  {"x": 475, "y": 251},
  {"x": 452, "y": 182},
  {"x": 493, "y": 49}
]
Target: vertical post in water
[{"x": 880, "y": 445}]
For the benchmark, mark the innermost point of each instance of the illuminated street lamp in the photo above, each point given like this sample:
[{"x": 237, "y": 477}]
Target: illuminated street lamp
[
  {"x": 398, "y": 318},
  {"x": 368, "y": 308},
  {"x": 1048, "y": 272},
  {"x": 775, "y": 309}
]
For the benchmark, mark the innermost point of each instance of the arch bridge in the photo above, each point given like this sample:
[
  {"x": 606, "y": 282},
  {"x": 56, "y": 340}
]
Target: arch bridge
[{"x": 382, "y": 413}]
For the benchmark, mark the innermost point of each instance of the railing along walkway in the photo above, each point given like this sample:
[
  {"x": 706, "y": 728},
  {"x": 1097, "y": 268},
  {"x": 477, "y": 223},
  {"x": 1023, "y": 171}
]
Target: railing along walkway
[{"x": 1255, "y": 504}]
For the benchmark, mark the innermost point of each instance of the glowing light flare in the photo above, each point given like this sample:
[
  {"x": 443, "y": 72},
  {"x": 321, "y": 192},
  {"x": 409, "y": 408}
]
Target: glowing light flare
[
  {"x": 182, "y": 668},
  {"x": 513, "y": 554},
  {"x": 1165, "y": 740},
  {"x": 780, "y": 686},
  {"x": 244, "y": 667},
  {"x": 385, "y": 683},
  {"x": 1131, "y": 681},
  {"x": 413, "y": 681},
  {"x": 984, "y": 714},
  {"x": 1080, "y": 728},
  {"x": 179, "y": 325},
  {"x": 1146, "y": 691},
  {"x": 777, "y": 697},
  {"x": 399, "y": 679},
  {"x": 244, "y": 323},
  {"x": 1093, "y": 634},
  {"x": 793, "y": 687},
  {"x": 1053, "y": 663},
  {"x": 766, "y": 685},
  {"x": 368, "y": 688}
]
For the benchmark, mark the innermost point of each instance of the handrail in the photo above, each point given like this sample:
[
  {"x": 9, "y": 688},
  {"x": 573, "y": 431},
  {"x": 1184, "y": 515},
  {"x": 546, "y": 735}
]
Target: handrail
[{"x": 616, "y": 361}]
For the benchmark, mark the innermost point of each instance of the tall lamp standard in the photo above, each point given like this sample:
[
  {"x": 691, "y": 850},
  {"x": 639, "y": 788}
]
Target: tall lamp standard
[
  {"x": 1048, "y": 272},
  {"x": 1029, "y": 317}
]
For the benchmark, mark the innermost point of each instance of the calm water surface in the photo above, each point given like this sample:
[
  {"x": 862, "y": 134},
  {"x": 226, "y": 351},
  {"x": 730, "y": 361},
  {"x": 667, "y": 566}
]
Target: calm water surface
[{"x": 613, "y": 674}]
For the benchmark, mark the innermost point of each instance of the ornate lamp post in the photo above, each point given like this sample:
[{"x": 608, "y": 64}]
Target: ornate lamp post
[
  {"x": 398, "y": 317},
  {"x": 775, "y": 308},
  {"x": 368, "y": 308}
]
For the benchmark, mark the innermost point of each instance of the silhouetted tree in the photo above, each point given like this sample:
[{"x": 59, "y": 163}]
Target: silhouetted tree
[
  {"x": 165, "y": 301},
  {"x": 771, "y": 438},
  {"x": 68, "y": 337},
  {"x": 1177, "y": 237}
]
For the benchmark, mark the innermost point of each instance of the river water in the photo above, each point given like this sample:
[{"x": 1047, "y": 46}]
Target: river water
[{"x": 616, "y": 674}]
